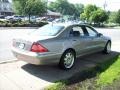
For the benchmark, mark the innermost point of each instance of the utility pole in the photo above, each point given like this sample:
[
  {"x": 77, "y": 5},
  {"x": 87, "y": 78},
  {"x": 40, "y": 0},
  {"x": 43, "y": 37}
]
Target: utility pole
[
  {"x": 46, "y": 6},
  {"x": 105, "y": 5}
]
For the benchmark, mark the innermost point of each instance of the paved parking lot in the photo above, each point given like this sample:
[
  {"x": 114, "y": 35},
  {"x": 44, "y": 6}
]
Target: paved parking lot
[
  {"x": 22, "y": 76},
  {"x": 6, "y": 36}
]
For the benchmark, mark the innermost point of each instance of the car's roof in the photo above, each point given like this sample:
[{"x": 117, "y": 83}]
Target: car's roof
[{"x": 66, "y": 24}]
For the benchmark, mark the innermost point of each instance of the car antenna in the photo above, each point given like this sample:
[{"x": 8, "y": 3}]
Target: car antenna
[{"x": 52, "y": 23}]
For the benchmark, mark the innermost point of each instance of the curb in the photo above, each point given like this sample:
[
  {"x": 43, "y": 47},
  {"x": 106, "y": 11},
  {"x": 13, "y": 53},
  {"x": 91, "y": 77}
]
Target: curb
[
  {"x": 18, "y": 28},
  {"x": 9, "y": 61}
]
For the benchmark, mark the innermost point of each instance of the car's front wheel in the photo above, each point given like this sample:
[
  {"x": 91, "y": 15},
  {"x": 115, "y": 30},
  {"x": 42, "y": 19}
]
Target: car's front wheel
[
  {"x": 107, "y": 48},
  {"x": 67, "y": 60}
]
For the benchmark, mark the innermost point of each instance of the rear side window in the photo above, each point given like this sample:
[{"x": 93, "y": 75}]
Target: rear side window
[
  {"x": 77, "y": 28},
  {"x": 48, "y": 30}
]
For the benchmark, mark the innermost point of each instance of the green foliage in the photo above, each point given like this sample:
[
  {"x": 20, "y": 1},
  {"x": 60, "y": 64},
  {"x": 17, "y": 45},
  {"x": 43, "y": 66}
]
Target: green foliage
[
  {"x": 89, "y": 9},
  {"x": 79, "y": 9},
  {"x": 42, "y": 23},
  {"x": 98, "y": 16},
  {"x": 94, "y": 14},
  {"x": 35, "y": 7},
  {"x": 21, "y": 24},
  {"x": 29, "y": 7},
  {"x": 109, "y": 75},
  {"x": 83, "y": 16},
  {"x": 118, "y": 17},
  {"x": 19, "y": 6},
  {"x": 52, "y": 6},
  {"x": 66, "y": 8},
  {"x": 56, "y": 86},
  {"x": 61, "y": 6},
  {"x": 112, "y": 17}
]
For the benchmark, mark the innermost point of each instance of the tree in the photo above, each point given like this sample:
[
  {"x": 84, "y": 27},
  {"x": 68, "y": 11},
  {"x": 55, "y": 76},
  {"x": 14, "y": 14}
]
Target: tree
[
  {"x": 34, "y": 7},
  {"x": 94, "y": 14},
  {"x": 29, "y": 7},
  {"x": 83, "y": 16},
  {"x": 66, "y": 8},
  {"x": 79, "y": 9},
  {"x": 19, "y": 6},
  {"x": 61, "y": 6},
  {"x": 112, "y": 17},
  {"x": 88, "y": 10},
  {"x": 118, "y": 17},
  {"x": 52, "y": 6},
  {"x": 99, "y": 16}
]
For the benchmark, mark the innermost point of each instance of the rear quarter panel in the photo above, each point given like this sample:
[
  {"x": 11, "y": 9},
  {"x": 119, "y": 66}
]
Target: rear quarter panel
[{"x": 56, "y": 45}]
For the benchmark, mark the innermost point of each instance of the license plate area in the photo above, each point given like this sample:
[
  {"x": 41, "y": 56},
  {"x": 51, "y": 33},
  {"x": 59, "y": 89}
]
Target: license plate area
[{"x": 20, "y": 45}]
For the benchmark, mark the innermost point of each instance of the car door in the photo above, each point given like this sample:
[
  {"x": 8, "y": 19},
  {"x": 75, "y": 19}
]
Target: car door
[
  {"x": 96, "y": 42},
  {"x": 81, "y": 43}
]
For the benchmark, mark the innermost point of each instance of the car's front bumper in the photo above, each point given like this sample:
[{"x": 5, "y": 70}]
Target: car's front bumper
[{"x": 36, "y": 58}]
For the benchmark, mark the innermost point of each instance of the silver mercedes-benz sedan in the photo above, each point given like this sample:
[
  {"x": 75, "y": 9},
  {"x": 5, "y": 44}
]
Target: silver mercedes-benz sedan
[{"x": 59, "y": 44}]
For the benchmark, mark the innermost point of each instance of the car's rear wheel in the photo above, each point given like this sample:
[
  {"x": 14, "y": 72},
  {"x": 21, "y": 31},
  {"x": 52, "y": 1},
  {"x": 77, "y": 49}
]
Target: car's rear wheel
[
  {"x": 67, "y": 60},
  {"x": 107, "y": 48}
]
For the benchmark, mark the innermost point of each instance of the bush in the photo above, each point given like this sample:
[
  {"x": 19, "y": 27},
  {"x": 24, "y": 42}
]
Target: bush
[
  {"x": 42, "y": 23},
  {"x": 21, "y": 24}
]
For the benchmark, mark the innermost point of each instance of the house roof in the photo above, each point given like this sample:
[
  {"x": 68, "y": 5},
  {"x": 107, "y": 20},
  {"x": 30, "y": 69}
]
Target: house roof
[{"x": 53, "y": 13}]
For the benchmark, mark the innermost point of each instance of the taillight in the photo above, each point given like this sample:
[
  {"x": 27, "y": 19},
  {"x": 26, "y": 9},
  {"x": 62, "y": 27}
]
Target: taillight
[{"x": 36, "y": 47}]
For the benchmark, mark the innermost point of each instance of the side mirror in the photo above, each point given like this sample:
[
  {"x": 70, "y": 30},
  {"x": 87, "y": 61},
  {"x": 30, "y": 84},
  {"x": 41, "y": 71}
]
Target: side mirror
[{"x": 99, "y": 34}]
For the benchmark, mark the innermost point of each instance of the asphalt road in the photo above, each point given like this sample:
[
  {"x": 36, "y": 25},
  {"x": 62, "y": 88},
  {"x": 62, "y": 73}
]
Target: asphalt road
[{"x": 6, "y": 36}]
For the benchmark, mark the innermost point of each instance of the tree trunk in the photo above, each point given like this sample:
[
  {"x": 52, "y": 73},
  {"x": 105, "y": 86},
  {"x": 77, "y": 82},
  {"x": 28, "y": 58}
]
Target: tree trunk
[{"x": 29, "y": 18}]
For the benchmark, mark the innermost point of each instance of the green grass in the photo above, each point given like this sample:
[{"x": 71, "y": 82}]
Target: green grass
[
  {"x": 56, "y": 86},
  {"x": 111, "y": 74},
  {"x": 98, "y": 78}
]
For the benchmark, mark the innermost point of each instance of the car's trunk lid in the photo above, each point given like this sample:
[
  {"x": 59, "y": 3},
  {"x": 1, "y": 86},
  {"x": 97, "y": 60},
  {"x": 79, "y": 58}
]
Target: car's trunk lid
[{"x": 25, "y": 42}]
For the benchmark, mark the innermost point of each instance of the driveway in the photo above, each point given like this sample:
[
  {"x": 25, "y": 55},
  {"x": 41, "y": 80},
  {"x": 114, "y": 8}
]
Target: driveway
[{"x": 22, "y": 76}]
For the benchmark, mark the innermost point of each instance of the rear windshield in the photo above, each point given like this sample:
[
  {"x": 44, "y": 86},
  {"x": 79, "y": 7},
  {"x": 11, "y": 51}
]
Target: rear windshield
[{"x": 48, "y": 30}]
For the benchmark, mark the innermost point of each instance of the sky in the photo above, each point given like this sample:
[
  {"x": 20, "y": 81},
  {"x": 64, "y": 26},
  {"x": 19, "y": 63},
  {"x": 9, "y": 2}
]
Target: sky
[{"x": 111, "y": 5}]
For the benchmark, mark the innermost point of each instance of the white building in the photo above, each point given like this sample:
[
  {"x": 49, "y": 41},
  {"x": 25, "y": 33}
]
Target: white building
[{"x": 5, "y": 8}]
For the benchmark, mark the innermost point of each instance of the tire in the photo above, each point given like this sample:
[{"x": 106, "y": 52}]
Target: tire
[
  {"x": 67, "y": 60},
  {"x": 107, "y": 48}
]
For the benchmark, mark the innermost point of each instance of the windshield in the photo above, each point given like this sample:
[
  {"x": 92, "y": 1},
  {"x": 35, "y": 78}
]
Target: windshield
[{"x": 48, "y": 30}]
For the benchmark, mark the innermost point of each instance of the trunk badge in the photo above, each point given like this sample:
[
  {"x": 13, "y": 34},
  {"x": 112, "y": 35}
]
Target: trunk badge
[{"x": 21, "y": 45}]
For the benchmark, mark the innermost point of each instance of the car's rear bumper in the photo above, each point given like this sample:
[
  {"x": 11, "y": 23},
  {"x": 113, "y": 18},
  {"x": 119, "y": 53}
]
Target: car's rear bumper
[{"x": 36, "y": 58}]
